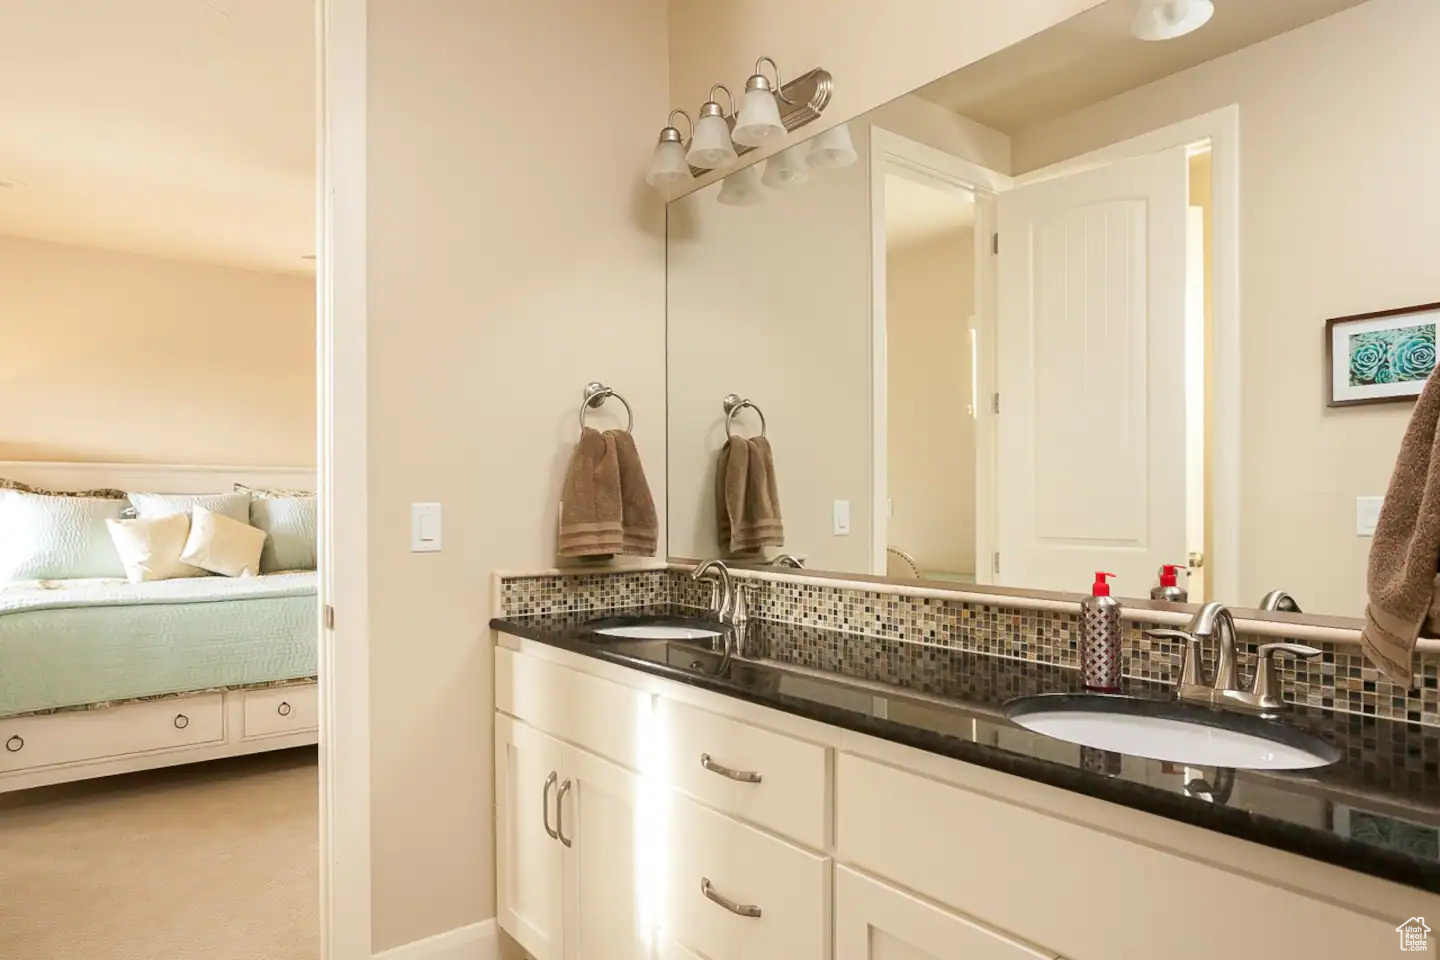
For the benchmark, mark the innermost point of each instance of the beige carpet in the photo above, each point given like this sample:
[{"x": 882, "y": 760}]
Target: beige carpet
[{"x": 212, "y": 861}]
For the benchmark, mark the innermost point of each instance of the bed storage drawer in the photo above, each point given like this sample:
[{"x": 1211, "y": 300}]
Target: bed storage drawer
[
  {"x": 276, "y": 711},
  {"x": 80, "y": 735}
]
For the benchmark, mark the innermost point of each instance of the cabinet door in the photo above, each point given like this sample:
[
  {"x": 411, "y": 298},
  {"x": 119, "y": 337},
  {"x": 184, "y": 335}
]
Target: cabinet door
[
  {"x": 611, "y": 884},
  {"x": 527, "y": 860},
  {"x": 874, "y": 921}
]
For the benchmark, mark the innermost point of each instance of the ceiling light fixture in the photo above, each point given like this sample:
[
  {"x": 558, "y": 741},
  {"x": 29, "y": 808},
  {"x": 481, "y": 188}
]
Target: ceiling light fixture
[
  {"x": 711, "y": 147},
  {"x": 667, "y": 164},
  {"x": 741, "y": 188},
  {"x": 832, "y": 148},
  {"x": 1168, "y": 19},
  {"x": 759, "y": 120},
  {"x": 786, "y": 169}
]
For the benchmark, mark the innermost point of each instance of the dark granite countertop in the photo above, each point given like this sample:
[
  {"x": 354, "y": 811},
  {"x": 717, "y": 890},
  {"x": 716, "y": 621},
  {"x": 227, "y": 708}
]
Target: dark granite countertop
[{"x": 1376, "y": 810}]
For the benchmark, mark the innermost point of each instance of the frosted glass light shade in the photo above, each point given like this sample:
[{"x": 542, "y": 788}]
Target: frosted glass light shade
[
  {"x": 759, "y": 120},
  {"x": 667, "y": 165},
  {"x": 832, "y": 148},
  {"x": 711, "y": 146},
  {"x": 1168, "y": 19},
  {"x": 741, "y": 188},
  {"x": 785, "y": 169}
]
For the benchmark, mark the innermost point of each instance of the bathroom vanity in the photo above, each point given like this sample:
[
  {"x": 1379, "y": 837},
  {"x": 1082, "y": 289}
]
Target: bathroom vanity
[{"x": 840, "y": 797}]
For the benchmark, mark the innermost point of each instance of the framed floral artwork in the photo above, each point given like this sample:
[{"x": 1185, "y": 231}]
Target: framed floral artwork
[{"x": 1380, "y": 357}]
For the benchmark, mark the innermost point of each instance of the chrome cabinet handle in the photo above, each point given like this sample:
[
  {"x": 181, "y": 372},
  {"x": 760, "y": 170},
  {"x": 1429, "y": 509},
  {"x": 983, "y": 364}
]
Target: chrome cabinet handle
[
  {"x": 545, "y": 803},
  {"x": 15, "y": 744},
  {"x": 744, "y": 776},
  {"x": 739, "y": 909},
  {"x": 560, "y": 812},
  {"x": 181, "y": 721},
  {"x": 283, "y": 709}
]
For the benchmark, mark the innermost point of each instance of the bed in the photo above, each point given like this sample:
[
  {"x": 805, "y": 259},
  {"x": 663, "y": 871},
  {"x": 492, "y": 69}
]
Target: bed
[{"x": 104, "y": 676}]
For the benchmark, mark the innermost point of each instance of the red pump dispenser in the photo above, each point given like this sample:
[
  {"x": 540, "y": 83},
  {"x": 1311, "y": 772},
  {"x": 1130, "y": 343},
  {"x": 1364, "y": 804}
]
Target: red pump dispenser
[
  {"x": 1101, "y": 586},
  {"x": 1100, "y": 636}
]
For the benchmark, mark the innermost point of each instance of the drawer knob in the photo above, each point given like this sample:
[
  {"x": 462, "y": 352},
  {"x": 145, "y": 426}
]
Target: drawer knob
[
  {"x": 739, "y": 909},
  {"x": 15, "y": 744},
  {"x": 283, "y": 709},
  {"x": 181, "y": 721},
  {"x": 744, "y": 776}
]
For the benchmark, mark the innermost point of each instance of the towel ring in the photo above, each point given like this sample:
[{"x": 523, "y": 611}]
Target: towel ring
[
  {"x": 597, "y": 393},
  {"x": 733, "y": 404}
]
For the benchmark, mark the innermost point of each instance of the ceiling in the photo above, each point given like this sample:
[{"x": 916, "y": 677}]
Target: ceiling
[
  {"x": 918, "y": 213},
  {"x": 176, "y": 128},
  {"x": 1092, "y": 57}
]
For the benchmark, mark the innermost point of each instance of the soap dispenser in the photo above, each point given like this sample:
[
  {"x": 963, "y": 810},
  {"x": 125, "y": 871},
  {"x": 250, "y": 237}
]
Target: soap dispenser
[
  {"x": 1100, "y": 637},
  {"x": 1169, "y": 587}
]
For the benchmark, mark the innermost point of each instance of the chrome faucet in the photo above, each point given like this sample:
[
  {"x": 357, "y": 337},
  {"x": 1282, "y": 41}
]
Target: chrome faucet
[
  {"x": 787, "y": 560},
  {"x": 1214, "y": 622},
  {"x": 722, "y": 589},
  {"x": 1280, "y": 601}
]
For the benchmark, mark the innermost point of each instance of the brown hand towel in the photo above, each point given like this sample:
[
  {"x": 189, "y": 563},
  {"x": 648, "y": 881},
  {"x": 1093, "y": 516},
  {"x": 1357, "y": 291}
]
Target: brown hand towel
[
  {"x": 591, "y": 513},
  {"x": 1405, "y": 554},
  {"x": 747, "y": 497},
  {"x": 639, "y": 521}
]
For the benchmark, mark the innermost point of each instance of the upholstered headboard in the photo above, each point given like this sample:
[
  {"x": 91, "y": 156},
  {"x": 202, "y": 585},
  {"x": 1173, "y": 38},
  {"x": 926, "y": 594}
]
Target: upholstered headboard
[{"x": 153, "y": 478}]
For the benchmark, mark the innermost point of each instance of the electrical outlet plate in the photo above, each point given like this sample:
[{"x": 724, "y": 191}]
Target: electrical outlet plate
[{"x": 1367, "y": 515}]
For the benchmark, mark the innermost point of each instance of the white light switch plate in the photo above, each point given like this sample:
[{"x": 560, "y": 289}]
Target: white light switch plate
[
  {"x": 424, "y": 528},
  {"x": 842, "y": 518},
  {"x": 1367, "y": 515}
]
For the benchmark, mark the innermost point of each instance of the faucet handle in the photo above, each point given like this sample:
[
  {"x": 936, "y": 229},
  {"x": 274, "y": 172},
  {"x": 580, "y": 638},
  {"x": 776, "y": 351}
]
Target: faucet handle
[
  {"x": 1192, "y": 671},
  {"x": 1267, "y": 681}
]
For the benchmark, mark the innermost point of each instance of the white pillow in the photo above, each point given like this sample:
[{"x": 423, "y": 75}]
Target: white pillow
[
  {"x": 150, "y": 549},
  {"x": 57, "y": 538},
  {"x": 221, "y": 545},
  {"x": 148, "y": 506},
  {"x": 289, "y": 524}
]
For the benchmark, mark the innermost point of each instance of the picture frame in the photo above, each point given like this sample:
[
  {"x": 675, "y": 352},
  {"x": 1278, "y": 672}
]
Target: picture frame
[{"x": 1380, "y": 357}]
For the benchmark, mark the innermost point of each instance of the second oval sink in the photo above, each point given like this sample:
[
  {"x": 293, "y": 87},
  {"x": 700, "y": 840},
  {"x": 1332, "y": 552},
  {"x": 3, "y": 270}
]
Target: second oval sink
[
  {"x": 1167, "y": 730},
  {"x": 649, "y": 631}
]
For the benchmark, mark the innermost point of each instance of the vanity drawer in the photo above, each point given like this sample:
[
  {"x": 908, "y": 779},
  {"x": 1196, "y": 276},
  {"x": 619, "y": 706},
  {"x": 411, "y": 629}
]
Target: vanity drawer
[
  {"x": 789, "y": 885},
  {"x": 601, "y": 716},
  {"x": 141, "y": 727},
  {"x": 717, "y": 759},
  {"x": 275, "y": 711},
  {"x": 971, "y": 852}
]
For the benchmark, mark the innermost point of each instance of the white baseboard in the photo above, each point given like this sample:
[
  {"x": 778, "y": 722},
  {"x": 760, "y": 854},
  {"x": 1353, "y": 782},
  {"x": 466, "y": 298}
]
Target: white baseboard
[{"x": 478, "y": 941}]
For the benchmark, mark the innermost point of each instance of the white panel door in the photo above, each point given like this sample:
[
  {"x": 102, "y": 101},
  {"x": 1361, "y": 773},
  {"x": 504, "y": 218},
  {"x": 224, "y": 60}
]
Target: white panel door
[
  {"x": 1092, "y": 375},
  {"x": 874, "y": 921},
  {"x": 611, "y": 892},
  {"x": 528, "y": 874}
]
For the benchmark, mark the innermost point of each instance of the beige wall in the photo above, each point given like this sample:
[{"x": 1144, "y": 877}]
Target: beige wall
[
  {"x": 1339, "y": 147},
  {"x": 507, "y": 267},
  {"x": 112, "y": 357},
  {"x": 930, "y": 444}
]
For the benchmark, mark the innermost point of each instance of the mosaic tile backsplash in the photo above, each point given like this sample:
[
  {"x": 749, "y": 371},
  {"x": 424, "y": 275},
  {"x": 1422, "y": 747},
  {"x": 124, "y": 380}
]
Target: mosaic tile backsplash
[{"x": 1341, "y": 679}]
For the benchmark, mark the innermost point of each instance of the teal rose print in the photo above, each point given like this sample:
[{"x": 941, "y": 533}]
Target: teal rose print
[{"x": 1402, "y": 355}]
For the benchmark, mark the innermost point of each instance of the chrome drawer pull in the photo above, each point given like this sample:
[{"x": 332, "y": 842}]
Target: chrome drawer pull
[
  {"x": 560, "y": 812},
  {"x": 744, "y": 776},
  {"x": 181, "y": 721},
  {"x": 283, "y": 709},
  {"x": 739, "y": 909},
  {"x": 15, "y": 744},
  {"x": 545, "y": 803}
]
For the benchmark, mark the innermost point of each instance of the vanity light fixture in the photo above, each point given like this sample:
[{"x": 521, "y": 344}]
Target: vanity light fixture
[
  {"x": 667, "y": 165},
  {"x": 741, "y": 188},
  {"x": 832, "y": 148},
  {"x": 1168, "y": 19},
  {"x": 785, "y": 169},
  {"x": 759, "y": 119},
  {"x": 711, "y": 146}
]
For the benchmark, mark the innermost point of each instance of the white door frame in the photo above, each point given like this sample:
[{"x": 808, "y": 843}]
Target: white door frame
[
  {"x": 1222, "y": 128},
  {"x": 888, "y": 152},
  {"x": 340, "y": 41}
]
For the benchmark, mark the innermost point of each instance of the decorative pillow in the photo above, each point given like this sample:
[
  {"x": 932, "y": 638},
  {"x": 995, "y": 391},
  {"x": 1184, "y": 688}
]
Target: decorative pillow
[
  {"x": 272, "y": 493},
  {"x": 222, "y": 545},
  {"x": 56, "y": 538},
  {"x": 148, "y": 506},
  {"x": 289, "y": 524},
  {"x": 150, "y": 549},
  {"x": 102, "y": 493}
]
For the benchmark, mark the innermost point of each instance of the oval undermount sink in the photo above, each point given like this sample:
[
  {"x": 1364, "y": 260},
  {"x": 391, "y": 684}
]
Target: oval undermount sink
[
  {"x": 650, "y": 631},
  {"x": 1170, "y": 730}
]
